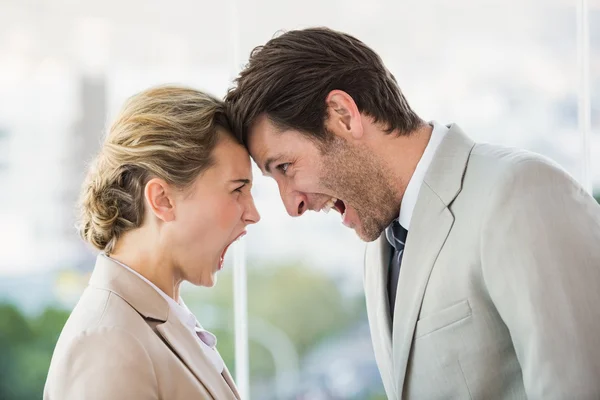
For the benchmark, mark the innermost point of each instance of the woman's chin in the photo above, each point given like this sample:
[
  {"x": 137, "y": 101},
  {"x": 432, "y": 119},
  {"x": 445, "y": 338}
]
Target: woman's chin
[
  {"x": 210, "y": 280},
  {"x": 205, "y": 279},
  {"x": 210, "y": 283}
]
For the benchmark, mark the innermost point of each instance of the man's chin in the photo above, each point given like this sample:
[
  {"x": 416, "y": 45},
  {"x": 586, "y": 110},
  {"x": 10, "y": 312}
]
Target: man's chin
[{"x": 367, "y": 236}]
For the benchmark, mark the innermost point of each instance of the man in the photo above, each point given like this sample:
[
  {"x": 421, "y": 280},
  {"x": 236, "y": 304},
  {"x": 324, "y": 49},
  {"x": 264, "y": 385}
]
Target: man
[{"x": 482, "y": 277}]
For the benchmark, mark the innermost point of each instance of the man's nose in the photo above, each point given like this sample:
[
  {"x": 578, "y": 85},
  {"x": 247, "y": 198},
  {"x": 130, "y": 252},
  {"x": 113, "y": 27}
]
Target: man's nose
[{"x": 295, "y": 202}]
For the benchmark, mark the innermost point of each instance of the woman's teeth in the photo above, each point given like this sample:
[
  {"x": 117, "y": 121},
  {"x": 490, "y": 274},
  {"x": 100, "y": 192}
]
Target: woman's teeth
[{"x": 329, "y": 205}]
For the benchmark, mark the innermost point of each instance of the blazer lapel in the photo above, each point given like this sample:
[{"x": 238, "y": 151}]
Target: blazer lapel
[
  {"x": 430, "y": 225},
  {"x": 425, "y": 240},
  {"x": 183, "y": 343},
  {"x": 376, "y": 266},
  {"x": 230, "y": 382},
  {"x": 142, "y": 297}
]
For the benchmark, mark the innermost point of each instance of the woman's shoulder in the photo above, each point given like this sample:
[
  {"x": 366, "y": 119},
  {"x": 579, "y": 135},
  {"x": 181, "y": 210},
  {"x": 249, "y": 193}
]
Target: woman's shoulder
[
  {"x": 95, "y": 360},
  {"x": 100, "y": 311}
]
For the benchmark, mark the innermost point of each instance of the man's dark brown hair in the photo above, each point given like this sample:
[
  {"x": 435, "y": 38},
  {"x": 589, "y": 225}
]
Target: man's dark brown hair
[{"x": 289, "y": 78}]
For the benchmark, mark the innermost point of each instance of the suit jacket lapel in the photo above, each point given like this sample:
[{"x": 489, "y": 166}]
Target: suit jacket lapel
[
  {"x": 230, "y": 382},
  {"x": 376, "y": 267},
  {"x": 109, "y": 275},
  {"x": 425, "y": 240},
  {"x": 430, "y": 225},
  {"x": 183, "y": 343}
]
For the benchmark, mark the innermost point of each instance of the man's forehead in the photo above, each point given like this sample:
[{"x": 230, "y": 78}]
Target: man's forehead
[
  {"x": 258, "y": 149},
  {"x": 262, "y": 128},
  {"x": 261, "y": 159},
  {"x": 263, "y": 137}
]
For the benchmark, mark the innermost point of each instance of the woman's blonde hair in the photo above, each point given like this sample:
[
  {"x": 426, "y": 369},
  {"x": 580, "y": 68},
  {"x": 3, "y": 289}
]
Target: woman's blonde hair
[{"x": 167, "y": 132}]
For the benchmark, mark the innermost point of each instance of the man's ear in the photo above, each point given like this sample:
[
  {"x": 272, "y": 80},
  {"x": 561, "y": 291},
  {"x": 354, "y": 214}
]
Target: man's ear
[{"x": 343, "y": 117}]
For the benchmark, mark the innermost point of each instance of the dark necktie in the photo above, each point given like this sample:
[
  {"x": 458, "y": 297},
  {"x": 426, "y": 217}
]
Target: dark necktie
[{"x": 397, "y": 238}]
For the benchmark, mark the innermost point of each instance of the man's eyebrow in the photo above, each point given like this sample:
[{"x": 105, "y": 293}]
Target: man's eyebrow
[{"x": 270, "y": 161}]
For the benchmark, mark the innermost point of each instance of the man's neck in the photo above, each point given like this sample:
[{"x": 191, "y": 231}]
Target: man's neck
[{"x": 401, "y": 154}]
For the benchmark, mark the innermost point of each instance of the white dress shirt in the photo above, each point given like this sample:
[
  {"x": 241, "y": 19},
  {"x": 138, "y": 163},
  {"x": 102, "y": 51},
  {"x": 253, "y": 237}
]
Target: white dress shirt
[
  {"x": 207, "y": 340},
  {"x": 416, "y": 181}
]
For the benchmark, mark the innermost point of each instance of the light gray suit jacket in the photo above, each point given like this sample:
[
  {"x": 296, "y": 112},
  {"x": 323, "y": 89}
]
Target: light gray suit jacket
[{"x": 499, "y": 289}]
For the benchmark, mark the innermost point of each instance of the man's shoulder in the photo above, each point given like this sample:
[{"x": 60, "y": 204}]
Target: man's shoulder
[
  {"x": 507, "y": 157},
  {"x": 506, "y": 176},
  {"x": 511, "y": 165}
]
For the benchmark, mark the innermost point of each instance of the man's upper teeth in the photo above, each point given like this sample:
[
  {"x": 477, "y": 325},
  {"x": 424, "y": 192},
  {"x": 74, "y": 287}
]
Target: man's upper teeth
[{"x": 329, "y": 205}]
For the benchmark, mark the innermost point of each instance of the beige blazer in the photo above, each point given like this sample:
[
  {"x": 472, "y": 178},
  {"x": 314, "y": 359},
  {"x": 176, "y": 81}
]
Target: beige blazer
[
  {"x": 499, "y": 289},
  {"x": 121, "y": 342}
]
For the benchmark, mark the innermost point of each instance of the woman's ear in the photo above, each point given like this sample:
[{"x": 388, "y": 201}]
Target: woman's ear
[{"x": 158, "y": 194}]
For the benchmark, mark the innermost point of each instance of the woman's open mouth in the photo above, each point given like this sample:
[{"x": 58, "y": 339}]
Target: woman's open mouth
[{"x": 222, "y": 259}]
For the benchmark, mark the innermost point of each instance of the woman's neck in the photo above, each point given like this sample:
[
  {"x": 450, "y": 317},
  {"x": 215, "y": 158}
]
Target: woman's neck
[{"x": 147, "y": 258}]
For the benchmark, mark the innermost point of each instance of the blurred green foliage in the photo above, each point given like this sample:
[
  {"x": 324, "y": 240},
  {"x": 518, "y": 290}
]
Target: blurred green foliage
[{"x": 26, "y": 346}]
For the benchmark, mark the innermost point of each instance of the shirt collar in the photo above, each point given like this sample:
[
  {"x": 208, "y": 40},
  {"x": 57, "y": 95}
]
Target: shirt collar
[{"x": 409, "y": 200}]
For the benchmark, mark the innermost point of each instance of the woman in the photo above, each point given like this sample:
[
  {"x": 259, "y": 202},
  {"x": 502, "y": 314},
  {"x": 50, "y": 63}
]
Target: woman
[{"x": 166, "y": 196}]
